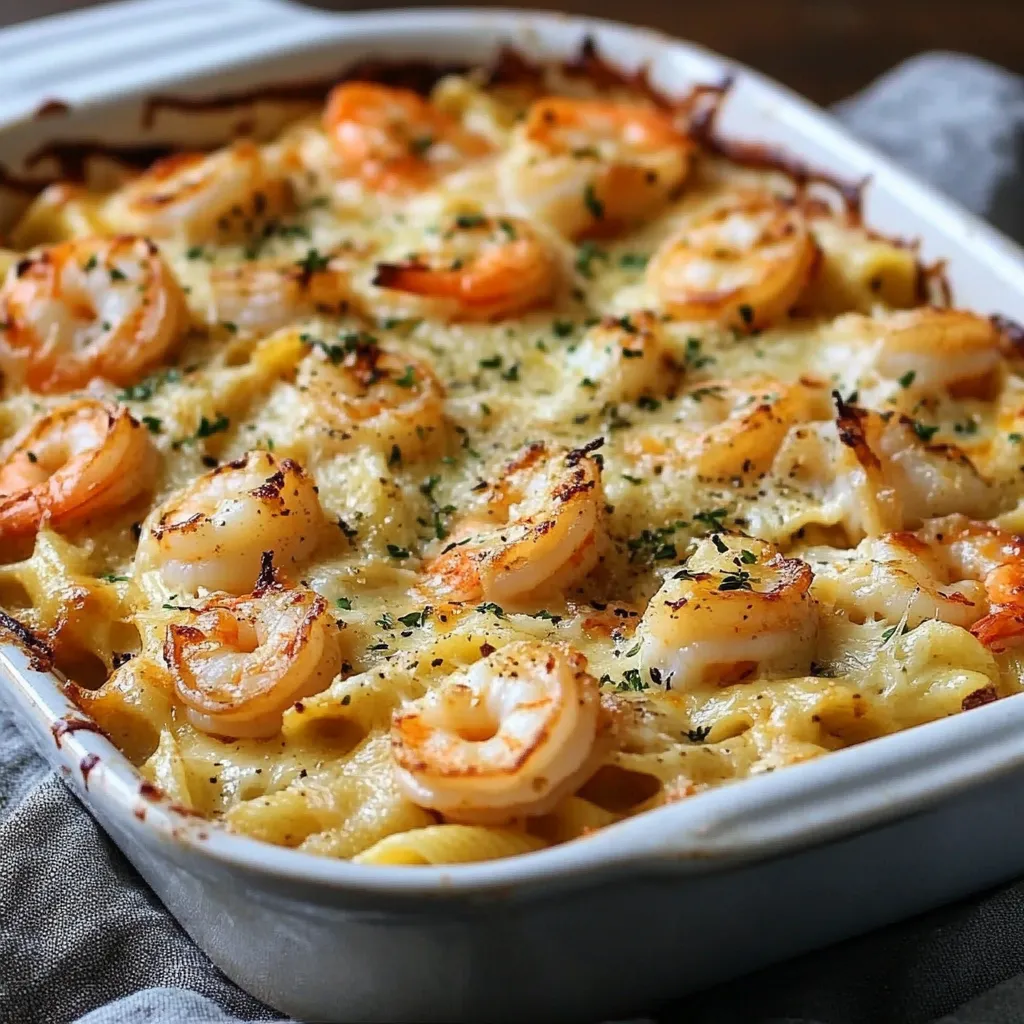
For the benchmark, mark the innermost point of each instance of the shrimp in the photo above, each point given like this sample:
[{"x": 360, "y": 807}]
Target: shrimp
[
  {"x": 743, "y": 264},
  {"x": 899, "y": 575},
  {"x": 736, "y": 609},
  {"x": 590, "y": 167},
  {"x": 259, "y": 297},
  {"x": 484, "y": 268},
  {"x": 966, "y": 573},
  {"x": 239, "y": 662},
  {"x": 90, "y": 307},
  {"x": 733, "y": 429},
  {"x": 540, "y": 531},
  {"x": 364, "y": 394},
  {"x": 896, "y": 478},
  {"x": 201, "y": 197},
  {"x": 393, "y": 140},
  {"x": 81, "y": 460},
  {"x": 618, "y": 360},
  {"x": 212, "y": 532},
  {"x": 996, "y": 557},
  {"x": 933, "y": 350},
  {"x": 505, "y": 739}
]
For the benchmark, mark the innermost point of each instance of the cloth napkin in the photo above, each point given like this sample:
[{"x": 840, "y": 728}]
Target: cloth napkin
[{"x": 83, "y": 939}]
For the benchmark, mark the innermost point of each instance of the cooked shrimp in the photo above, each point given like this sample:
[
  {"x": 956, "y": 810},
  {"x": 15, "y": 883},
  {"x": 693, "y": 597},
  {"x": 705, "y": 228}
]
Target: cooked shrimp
[
  {"x": 480, "y": 268},
  {"x": 363, "y": 394},
  {"x": 239, "y": 662},
  {"x": 732, "y": 429},
  {"x": 739, "y": 608},
  {"x": 260, "y": 296},
  {"x": 82, "y": 460},
  {"x": 618, "y": 360},
  {"x": 933, "y": 350},
  {"x": 897, "y": 479},
  {"x": 91, "y": 307},
  {"x": 983, "y": 551},
  {"x": 212, "y": 533},
  {"x": 743, "y": 263},
  {"x": 590, "y": 167},
  {"x": 505, "y": 739},
  {"x": 897, "y": 575},
  {"x": 540, "y": 530},
  {"x": 394, "y": 140},
  {"x": 201, "y": 196},
  {"x": 969, "y": 574}
]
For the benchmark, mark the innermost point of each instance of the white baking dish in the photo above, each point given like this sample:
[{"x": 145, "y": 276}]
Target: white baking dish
[{"x": 693, "y": 893}]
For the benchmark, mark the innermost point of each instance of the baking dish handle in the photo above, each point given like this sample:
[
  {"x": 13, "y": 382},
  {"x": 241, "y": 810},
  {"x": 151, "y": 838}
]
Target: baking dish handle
[{"x": 72, "y": 58}]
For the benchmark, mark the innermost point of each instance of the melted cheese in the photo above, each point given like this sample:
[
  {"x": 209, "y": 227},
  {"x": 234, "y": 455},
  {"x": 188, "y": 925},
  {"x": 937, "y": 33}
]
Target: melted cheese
[{"x": 325, "y": 783}]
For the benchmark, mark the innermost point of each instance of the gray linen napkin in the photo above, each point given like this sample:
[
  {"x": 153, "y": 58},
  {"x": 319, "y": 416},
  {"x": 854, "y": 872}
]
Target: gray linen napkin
[{"x": 80, "y": 933}]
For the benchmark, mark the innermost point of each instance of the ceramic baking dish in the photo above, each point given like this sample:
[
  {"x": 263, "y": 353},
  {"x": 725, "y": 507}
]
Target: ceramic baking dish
[{"x": 645, "y": 910}]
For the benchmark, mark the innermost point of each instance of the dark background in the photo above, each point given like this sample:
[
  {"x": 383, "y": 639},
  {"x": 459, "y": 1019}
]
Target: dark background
[{"x": 825, "y": 49}]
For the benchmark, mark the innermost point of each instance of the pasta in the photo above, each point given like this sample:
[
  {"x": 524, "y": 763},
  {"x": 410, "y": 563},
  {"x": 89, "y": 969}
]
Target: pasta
[{"x": 457, "y": 474}]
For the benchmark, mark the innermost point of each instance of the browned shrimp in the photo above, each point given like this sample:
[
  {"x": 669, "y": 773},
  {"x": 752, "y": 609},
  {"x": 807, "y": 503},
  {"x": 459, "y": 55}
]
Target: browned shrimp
[
  {"x": 394, "y": 140},
  {"x": 91, "y": 307},
  {"x": 82, "y": 460},
  {"x": 483, "y": 268},
  {"x": 743, "y": 263},
  {"x": 507, "y": 738},
  {"x": 539, "y": 531},
  {"x": 240, "y": 662},
  {"x": 590, "y": 167},
  {"x": 201, "y": 196}
]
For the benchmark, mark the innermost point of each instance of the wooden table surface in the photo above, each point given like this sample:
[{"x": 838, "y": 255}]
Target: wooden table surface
[{"x": 825, "y": 49}]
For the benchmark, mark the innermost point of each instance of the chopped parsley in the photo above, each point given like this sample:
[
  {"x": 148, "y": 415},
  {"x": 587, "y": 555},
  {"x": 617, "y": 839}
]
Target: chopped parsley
[
  {"x": 153, "y": 424},
  {"x": 415, "y": 620},
  {"x": 111, "y": 578},
  {"x": 739, "y": 580},
  {"x": 206, "y": 428},
  {"x": 385, "y": 622},
  {"x": 148, "y": 387},
  {"x": 924, "y": 430},
  {"x": 631, "y": 680},
  {"x": 655, "y": 545},
  {"x": 344, "y": 603},
  {"x": 553, "y": 619},
  {"x": 408, "y": 378},
  {"x": 712, "y": 518},
  {"x": 397, "y": 552},
  {"x": 633, "y": 260},
  {"x": 908, "y": 378},
  {"x": 313, "y": 262},
  {"x": 585, "y": 256},
  {"x": 495, "y": 609},
  {"x": 594, "y": 205},
  {"x": 698, "y": 735},
  {"x": 891, "y": 632}
]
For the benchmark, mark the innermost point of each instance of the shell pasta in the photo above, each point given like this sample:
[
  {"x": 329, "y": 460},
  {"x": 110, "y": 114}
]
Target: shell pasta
[{"x": 461, "y": 472}]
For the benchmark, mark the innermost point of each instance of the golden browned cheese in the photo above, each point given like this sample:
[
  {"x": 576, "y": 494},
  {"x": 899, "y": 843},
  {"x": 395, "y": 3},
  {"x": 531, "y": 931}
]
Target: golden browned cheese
[{"x": 441, "y": 387}]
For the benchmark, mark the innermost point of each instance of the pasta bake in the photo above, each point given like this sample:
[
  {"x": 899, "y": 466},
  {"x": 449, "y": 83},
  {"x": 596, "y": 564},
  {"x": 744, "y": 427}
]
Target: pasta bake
[{"x": 463, "y": 470}]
